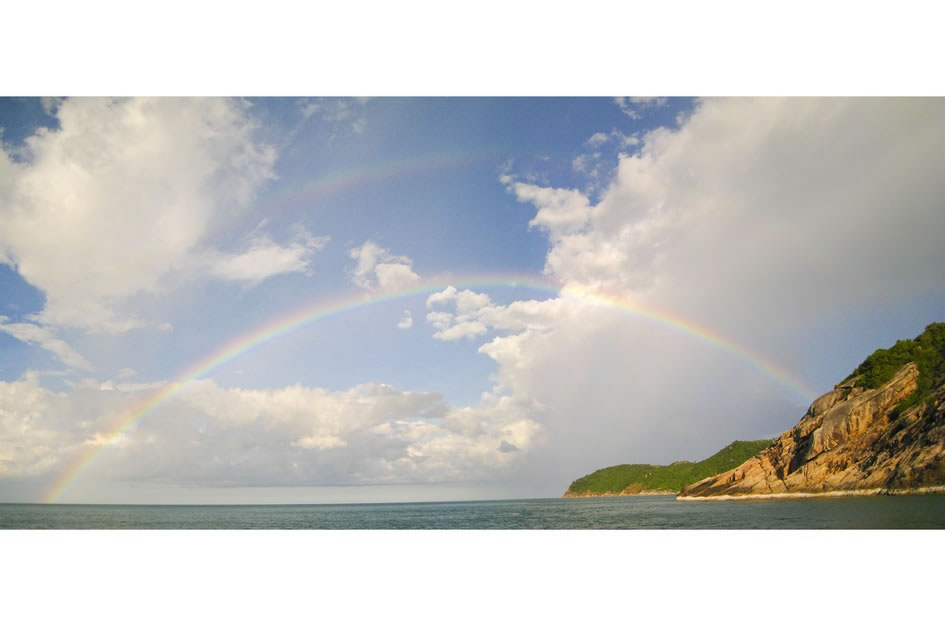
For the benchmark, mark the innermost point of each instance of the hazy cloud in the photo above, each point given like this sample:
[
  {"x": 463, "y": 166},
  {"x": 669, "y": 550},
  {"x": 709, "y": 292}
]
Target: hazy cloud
[
  {"x": 45, "y": 338},
  {"x": 406, "y": 321},
  {"x": 336, "y": 110}
]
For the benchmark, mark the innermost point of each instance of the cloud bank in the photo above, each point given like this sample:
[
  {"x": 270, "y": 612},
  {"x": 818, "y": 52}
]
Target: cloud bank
[{"x": 209, "y": 435}]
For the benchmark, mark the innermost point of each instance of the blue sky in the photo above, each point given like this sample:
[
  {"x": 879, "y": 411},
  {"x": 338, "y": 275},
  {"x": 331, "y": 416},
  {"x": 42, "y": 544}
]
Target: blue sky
[{"x": 138, "y": 236}]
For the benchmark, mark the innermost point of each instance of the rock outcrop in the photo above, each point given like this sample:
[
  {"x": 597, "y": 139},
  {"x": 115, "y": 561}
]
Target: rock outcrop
[{"x": 852, "y": 440}]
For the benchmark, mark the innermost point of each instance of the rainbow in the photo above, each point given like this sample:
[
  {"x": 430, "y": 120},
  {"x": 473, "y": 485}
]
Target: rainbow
[
  {"x": 321, "y": 310},
  {"x": 337, "y": 181}
]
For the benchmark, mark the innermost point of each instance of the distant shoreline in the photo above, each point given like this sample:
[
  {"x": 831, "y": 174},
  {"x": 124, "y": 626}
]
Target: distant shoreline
[
  {"x": 595, "y": 495},
  {"x": 869, "y": 492},
  {"x": 815, "y": 495}
]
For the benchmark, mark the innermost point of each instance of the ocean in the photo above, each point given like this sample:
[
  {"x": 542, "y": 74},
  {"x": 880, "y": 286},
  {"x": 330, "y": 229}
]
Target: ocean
[{"x": 640, "y": 512}]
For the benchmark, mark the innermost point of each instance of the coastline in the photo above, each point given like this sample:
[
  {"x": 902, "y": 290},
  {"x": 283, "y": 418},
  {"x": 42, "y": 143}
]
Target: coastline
[
  {"x": 814, "y": 495},
  {"x": 595, "y": 495}
]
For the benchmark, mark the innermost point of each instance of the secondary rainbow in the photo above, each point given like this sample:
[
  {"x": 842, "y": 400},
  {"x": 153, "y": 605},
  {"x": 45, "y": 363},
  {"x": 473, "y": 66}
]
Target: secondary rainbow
[
  {"x": 334, "y": 182},
  {"x": 312, "y": 313}
]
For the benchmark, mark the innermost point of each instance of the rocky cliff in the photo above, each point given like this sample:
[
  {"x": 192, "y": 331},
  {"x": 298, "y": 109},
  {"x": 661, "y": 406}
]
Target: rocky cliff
[{"x": 853, "y": 440}]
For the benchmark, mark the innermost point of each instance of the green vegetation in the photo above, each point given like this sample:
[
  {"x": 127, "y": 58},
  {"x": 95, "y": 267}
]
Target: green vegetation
[
  {"x": 675, "y": 477},
  {"x": 928, "y": 352}
]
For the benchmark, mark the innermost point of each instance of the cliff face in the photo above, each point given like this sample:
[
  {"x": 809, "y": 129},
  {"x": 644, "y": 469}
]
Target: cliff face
[{"x": 851, "y": 440}]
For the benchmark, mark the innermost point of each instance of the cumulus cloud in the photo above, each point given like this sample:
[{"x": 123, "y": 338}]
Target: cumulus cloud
[
  {"x": 378, "y": 270},
  {"x": 475, "y": 314},
  {"x": 560, "y": 211},
  {"x": 213, "y": 436},
  {"x": 465, "y": 322},
  {"x": 755, "y": 218},
  {"x": 110, "y": 202},
  {"x": 805, "y": 194}
]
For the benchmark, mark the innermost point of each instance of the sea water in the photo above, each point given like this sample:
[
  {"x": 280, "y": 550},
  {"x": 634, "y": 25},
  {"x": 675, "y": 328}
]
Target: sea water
[{"x": 640, "y": 512}]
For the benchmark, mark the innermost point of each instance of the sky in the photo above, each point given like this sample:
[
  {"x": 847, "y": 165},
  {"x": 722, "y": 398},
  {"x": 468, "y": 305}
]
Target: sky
[{"x": 306, "y": 300}]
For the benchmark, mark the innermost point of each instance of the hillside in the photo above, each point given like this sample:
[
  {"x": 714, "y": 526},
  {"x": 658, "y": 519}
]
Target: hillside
[
  {"x": 630, "y": 479},
  {"x": 882, "y": 430}
]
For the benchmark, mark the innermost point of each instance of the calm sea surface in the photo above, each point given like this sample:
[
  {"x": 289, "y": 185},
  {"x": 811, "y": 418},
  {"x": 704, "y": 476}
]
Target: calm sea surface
[{"x": 648, "y": 512}]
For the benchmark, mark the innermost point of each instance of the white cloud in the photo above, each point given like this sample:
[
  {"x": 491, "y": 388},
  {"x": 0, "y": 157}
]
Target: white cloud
[
  {"x": 560, "y": 211},
  {"x": 795, "y": 196},
  {"x": 617, "y": 137},
  {"x": 446, "y": 295},
  {"x": 475, "y": 313},
  {"x": 264, "y": 258},
  {"x": 119, "y": 195},
  {"x": 371, "y": 433},
  {"x": 598, "y": 139},
  {"x": 635, "y": 106},
  {"x": 451, "y": 330},
  {"x": 406, "y": 321},
  {"x": 378, "y": 270},
  {"x": 465, "y": 323},
  {"x": 395, "y": 276},
  {"x": 46, "y": 339}
]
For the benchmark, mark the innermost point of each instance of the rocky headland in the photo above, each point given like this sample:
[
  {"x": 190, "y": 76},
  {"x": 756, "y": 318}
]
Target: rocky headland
[{"x": 881, "y": 431}]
